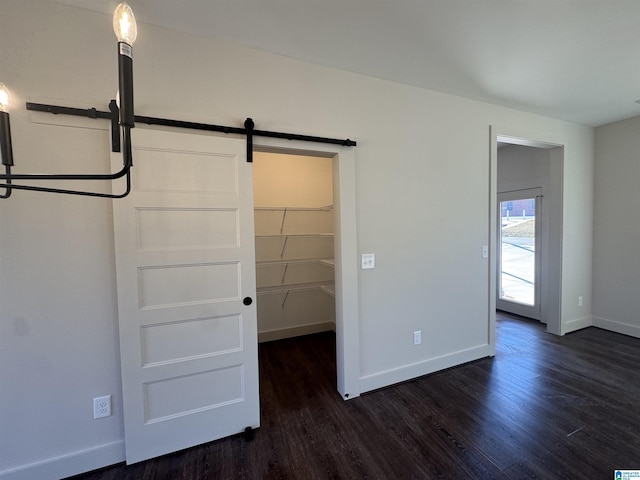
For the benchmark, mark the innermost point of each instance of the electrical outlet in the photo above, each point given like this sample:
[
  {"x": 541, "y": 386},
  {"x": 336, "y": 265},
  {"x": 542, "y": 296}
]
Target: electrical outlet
[
  {"x": 580, "y": 301},
  {"x": 102, "y": 407},
  {"x": 417, "y": 337}
]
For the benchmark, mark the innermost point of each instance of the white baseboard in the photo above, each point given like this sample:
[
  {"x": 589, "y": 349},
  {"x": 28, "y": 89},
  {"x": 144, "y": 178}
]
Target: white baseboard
[
  {"x": 618, "y": 327},
  {"x": 577, "y": 324},
  {"x": 408, "y": 372},
  {"x": 70, "y": 464},
  {"x": 297, "y": 331}
]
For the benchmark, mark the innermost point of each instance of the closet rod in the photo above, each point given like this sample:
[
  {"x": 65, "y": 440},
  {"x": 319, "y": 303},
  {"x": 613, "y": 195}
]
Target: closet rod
[{"x": 93, "y": 113}]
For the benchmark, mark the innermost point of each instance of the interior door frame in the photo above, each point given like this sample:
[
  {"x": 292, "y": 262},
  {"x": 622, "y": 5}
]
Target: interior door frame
[
  {"x": 552, "y": 293},
  {"x": 529, "y": 311},
  {"x": 345, "y": 249}
]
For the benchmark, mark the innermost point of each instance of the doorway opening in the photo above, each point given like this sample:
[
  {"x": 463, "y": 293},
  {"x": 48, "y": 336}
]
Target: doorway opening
[
  {"x": 336, "y": 238},
  {"x": 526, "y": 201},
  {"x": 294, "y": 238},
  {"x": 294, "y": 248}
]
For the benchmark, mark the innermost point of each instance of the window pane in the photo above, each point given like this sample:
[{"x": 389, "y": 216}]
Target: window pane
[{"x": 517, "y": 258}]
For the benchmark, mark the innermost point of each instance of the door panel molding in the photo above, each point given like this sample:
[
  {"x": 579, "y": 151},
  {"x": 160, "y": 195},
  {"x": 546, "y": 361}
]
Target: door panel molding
[{"x": 184, "y": 261}]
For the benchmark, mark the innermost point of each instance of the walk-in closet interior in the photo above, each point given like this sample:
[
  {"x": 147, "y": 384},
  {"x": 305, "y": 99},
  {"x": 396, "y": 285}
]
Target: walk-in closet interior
[{"x": 293, "y": 201}]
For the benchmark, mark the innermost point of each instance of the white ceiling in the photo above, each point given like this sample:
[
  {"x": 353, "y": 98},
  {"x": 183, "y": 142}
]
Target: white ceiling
[{"x": 576, "y": 60}]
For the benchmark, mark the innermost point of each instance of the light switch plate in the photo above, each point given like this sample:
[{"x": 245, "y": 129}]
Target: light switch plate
[{"x": 368, "y": 261}]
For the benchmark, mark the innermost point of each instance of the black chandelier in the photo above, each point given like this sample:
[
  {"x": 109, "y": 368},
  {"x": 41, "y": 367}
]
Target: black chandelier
[
  {"x": 122, "y": 116},
  {"x": 122, "y": 119}
]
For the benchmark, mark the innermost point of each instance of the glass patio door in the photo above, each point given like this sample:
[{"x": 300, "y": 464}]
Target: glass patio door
[{"x": 519, "y": 252}]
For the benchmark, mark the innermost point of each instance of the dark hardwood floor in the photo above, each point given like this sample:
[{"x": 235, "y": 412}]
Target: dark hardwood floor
[{"x": 545, "y": 407}]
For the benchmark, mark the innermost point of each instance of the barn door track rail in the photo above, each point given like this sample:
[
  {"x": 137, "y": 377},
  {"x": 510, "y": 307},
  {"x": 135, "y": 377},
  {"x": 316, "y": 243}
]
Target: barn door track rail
[{"x": 249, "y": 127}]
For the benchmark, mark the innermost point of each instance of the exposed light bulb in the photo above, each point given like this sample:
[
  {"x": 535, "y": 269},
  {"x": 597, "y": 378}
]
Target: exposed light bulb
[
  {"x": 4, "y": 99},
  {"x": 124, "y": 24}
]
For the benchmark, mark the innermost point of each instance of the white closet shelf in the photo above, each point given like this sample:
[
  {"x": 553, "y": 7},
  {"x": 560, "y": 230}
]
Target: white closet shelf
[
  {"x": 294, "y": 266},
  {"x": 326, "y": 261},
  {"x": 295, "y": 286},
  {"x": 330, "y": 289},
  {"x": 282, "y": 235},
  {"x": 327, "y": 208},
  {"x": 299, "y": 221}
]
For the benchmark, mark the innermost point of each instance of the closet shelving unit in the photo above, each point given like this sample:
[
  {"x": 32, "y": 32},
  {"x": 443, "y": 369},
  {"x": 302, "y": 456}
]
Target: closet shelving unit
[{"x": 294, "y": 270}]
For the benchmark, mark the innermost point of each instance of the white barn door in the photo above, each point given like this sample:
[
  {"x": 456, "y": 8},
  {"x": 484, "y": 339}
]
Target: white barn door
[{"x": 185, "y": 270}]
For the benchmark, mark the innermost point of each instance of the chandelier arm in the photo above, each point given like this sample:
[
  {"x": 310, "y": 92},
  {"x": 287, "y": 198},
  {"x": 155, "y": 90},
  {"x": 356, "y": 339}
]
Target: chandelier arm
[
  {"x": 127, "y": 164},
  {"x": 7, "y": 186},
  {"x": 13, "y": 186},
  {"x": 127, "y": 161}
]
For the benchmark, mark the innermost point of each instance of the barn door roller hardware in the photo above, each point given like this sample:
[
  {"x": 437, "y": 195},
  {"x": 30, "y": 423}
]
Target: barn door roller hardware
[{"x": 248, "y": 130}]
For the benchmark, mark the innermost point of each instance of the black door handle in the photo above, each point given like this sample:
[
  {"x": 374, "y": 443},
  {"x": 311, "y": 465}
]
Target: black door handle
[{"x": 247, "y": 300}]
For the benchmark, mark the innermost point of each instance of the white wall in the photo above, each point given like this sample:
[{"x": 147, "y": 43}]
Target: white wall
[
  {"x": 616, "y": 263},
  {"x": 421, "y": 157},
  {"x": 521, "y": 167},
  {"x": 291, "y": 180}
]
